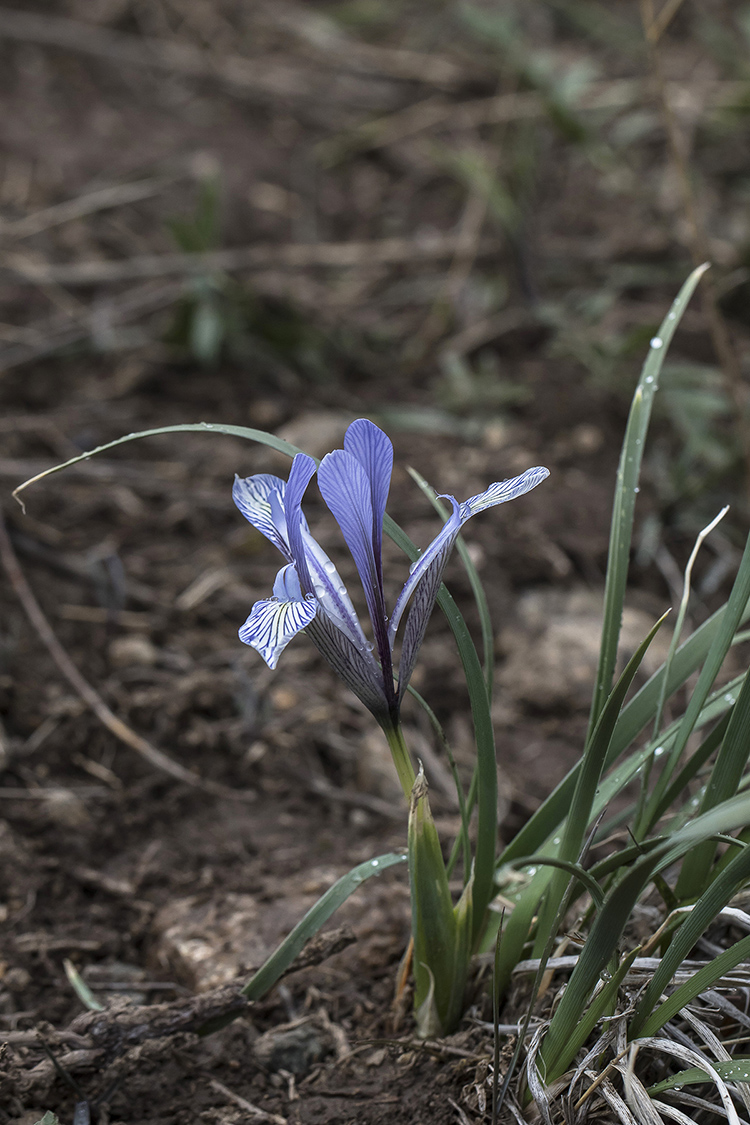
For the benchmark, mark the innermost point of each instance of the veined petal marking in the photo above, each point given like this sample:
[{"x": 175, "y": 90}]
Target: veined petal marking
[
  {"x": 253, "y": 496},
  {"x": 300, "y": 474},
  {"x": 333, "y": 599},
  {"x": 374, "y": 451},
  {"x": 438, "y": 551},
  {"x": 272, "y": 624},
  {"x": 345, "y": 486},
  {"x": 502, "y": 491}
]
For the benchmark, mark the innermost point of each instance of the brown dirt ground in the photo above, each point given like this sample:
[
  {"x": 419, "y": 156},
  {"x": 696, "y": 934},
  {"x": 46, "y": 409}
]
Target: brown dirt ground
[{"x": 145, "y": 570}]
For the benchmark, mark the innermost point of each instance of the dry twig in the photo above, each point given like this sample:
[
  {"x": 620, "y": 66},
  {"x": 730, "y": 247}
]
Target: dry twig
[
  {"x": 292, "y": 255},
  {"x": 155, "y": 757},
  {"x": 117, "y": 195}
]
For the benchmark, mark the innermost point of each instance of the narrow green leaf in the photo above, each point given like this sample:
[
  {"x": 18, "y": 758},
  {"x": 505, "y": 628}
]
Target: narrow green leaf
[
  {"x": 594, "y": 758},
  {"x": 635, "y": 715},
  {"x": 723, "y": 783},
  {"x": 259, "y": 436},
  {"x": 610, "y": 922},
  {"x": 518, "y": 926},
  {"x": 704, "y": 979},
  {"x": 486, "y": 767},
  {"x": 708, "y": 906},
  {"x": 628, "y": 474},
  {"x": 575, "y": 869},
  {"x": 281, "y": 959},
  {"x": 601, "y": 1004},
  {"x": 731, "y": 620}
]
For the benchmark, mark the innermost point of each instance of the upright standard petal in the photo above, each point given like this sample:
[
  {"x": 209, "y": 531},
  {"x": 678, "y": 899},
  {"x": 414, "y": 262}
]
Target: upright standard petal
[
  {"x": 374, "y": 451},
  {"x": 346, "y": 489},
  {"x": 275, "y": 621},
  {"x": 261, "y": 501}
]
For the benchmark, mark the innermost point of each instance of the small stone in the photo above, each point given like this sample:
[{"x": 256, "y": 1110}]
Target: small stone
[
  {"x": 132, "y": 650},
  {"x": 296, "y": 1048},
  {"x": 552, "y": 650},
  {"x": 16, "y": 979}
]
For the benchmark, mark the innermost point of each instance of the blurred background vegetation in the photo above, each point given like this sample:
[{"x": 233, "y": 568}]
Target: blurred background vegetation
[{"x": 452, "y": 214}]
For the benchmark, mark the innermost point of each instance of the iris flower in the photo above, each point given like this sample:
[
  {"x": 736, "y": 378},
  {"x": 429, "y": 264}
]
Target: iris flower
[{"x": 308, "y": 593}]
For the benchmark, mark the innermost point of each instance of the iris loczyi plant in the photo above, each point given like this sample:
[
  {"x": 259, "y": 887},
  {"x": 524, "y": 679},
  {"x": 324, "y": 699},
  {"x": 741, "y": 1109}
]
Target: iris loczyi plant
[
  {"x": 309, "y": 593},
  {"x": 681, "y": 742}
]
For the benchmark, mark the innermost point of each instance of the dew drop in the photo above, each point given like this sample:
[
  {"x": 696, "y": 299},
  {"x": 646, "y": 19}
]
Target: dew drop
[
  {"x": 636, "y": 489},
  {"x": 532, "y": 871},
  {"x": 374, "y": 863},
  {"x": 728, "y": 698},
  {"x": 369, "y": 646},
  {"x": 329, "y": 568},
  {"x": 649, "y": 378},
  {"x": 658, "y": 751},
  {"x": 657, "y": 342}
]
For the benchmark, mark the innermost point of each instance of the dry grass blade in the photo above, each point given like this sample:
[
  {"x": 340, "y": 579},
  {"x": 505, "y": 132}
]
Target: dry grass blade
[
  {"x": 675, "y": 1114},
  {"x": 618, "y": 1104},
  {"x": 98, "y": 323},
  {"x": 542, "y": 1094},
  {"x": 155, "y": 757},
  {"x": 117, "y": 195},
  {"x": 254, "y": 1111},
  {"x": 635, "y": 1091},
  {"x": 604, "y": 1043},
  {"x": 694, "y": 1058}
]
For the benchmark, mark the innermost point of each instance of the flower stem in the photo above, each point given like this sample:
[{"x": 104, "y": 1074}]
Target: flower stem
[{"x": 401, "y": 759}]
